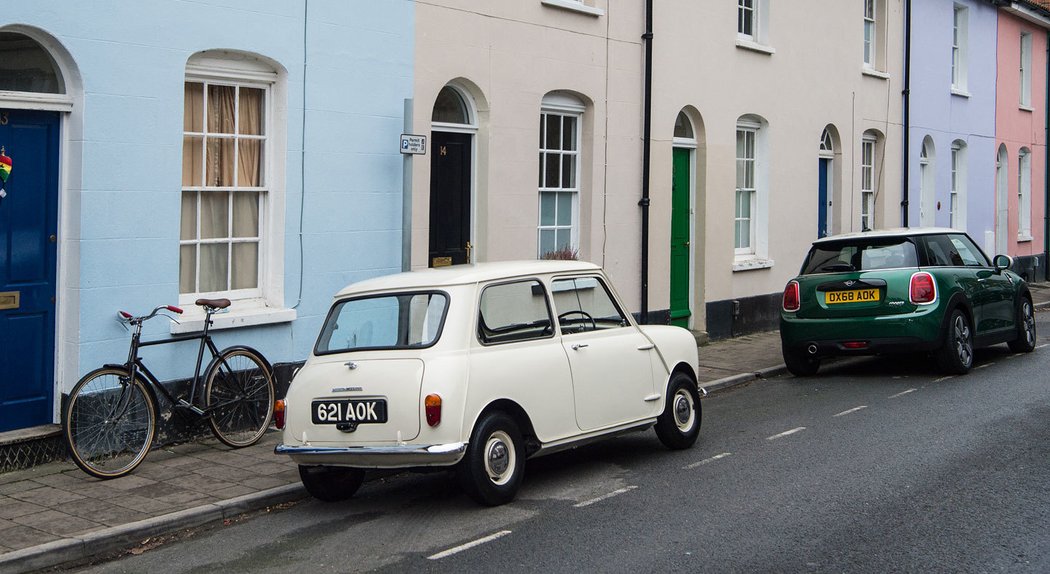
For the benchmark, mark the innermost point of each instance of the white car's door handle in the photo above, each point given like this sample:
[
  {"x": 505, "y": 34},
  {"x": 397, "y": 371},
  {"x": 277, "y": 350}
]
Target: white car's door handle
[
  {"x": 646, "y": 347},
  {"x": 578, "y": 346}
]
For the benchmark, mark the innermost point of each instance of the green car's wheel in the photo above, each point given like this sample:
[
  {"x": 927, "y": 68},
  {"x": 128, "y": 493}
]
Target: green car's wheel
[
  {"x": 1025, "y": 341},
  {"x": 956, "y": 354},
  {"x": 800, "y": 364}
]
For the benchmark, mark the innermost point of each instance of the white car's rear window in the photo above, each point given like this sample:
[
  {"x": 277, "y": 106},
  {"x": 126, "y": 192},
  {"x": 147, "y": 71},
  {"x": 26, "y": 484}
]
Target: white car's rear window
[{"x": 397, "y": 321}]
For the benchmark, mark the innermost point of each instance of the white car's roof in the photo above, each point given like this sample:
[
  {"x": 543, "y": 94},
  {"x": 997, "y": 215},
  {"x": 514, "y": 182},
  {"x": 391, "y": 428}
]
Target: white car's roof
[
  {"x": 465, "y": 274},
  {"x": 894, "y": 232}
]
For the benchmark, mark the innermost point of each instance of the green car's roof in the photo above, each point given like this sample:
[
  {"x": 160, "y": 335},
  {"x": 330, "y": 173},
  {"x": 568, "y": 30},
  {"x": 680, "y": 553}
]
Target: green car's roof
[{"x": 887, "y": 233}]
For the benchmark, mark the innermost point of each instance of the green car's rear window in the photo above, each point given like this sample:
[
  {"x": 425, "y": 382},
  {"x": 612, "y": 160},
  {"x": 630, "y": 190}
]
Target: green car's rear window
[{"x": 860, "y": 254}]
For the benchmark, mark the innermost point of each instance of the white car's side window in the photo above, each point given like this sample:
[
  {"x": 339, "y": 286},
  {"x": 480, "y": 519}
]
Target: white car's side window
[
  {"x": 584, "y": 304},
  {"x": 515, "y": 311}
]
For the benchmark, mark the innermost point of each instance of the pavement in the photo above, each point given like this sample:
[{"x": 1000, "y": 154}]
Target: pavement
[{"x": 54, "y": 513}]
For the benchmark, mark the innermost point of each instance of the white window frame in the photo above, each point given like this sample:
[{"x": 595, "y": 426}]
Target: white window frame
[
  {"x": 564, "y": 107},
  {"x": 870, "y": 33},
  {"x": 755, "y": 255},
  {"x": 957, "y": 193},
  {"x": 960, "y": 49},
  {"x": 1024, "y": 195},
  {"x": 757, "y": 15},
  {"x": 265, "y": 303},
  {"x": 868, "y": 150},
  {"x": 746, "y": 165},
  {"x": 1026, "y": 71}
]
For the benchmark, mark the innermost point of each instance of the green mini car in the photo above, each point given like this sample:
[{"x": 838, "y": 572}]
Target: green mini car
[{"x": 905, "y": 290}]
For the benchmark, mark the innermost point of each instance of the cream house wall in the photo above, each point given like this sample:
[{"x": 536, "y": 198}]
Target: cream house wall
[
  {"x": 507, "y": 56},
  {"x": 812, "y": 79}
]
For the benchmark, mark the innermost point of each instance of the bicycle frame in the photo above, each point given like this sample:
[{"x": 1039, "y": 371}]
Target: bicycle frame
[{"x": 134, "y": 365}]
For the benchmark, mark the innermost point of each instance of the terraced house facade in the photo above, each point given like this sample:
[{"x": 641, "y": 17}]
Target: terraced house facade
[{"x": 250, "y": 150}]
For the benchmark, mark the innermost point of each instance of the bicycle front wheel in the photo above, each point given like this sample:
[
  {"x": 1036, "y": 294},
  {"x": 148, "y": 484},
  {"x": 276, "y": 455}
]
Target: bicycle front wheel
[
  {"x": 109, "y": 423},
  {"x": 239, "y": 396}
]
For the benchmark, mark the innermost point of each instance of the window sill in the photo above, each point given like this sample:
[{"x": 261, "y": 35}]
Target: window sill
[
  {"x": 754, "y": 46},
  {"x": 250, "y": 314},
  {"x": 574, "y": 7},
  {"x": 872, "y": 72},
  {"x": 1024, "y": 238},
  {"x": 1025, "y": 108},
  {"x": 751, "y": 264},
  {"x": 960, "y": 92}
]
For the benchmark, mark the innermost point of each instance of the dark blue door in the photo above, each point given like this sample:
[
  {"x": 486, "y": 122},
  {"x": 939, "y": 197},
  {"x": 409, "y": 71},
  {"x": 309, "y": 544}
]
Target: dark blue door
[
  {"x": 822, "y": 198},
  {"x": 28, "y": 248}
]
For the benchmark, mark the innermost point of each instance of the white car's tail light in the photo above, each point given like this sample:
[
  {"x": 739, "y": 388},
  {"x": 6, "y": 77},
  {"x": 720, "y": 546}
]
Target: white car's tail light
[
  {"x": 432, "y": 406},
  {"x": 923, "y": 288},
  {"x": 278, "y": 413},
  {"x": 791, "y": 297}
]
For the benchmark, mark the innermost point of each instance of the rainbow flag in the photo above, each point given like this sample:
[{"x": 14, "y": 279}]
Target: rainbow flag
[{"x": 5, "y": 167}]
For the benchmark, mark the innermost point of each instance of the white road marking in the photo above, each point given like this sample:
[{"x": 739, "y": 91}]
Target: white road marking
[
  {"x": 944, "y": 378},
  {"x": 902, "y": 393},
  {"x": 707, "y": 460},
  {"x": 468, "y": 545},
  {"x": 853, "y": 410},
  {"x": 984, "y": 365},
  {"x": 786, "y": 433},
  {"x": 616, "y": 492},
  {"x": 1043, "y": 345}
]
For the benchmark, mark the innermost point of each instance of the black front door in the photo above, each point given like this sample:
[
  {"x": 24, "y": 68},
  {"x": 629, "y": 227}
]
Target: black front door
[{"x": 450, "y": 199}]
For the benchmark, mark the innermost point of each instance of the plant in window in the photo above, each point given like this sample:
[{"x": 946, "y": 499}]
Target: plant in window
[{"x": 566, "y": 253}]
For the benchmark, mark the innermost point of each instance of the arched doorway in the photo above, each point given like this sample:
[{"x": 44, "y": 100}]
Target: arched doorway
[
  {"x": 453, "y": 128},
  {"x": 683, "y": 176},
  {"x": 1002, "y": 189},
  {"x": 30, "y": 125},
  {"x": 927, "y": 184}
]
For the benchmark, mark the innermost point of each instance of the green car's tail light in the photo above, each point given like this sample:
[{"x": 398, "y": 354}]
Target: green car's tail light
[
  {"x": 923, "y": 288},
  {"x": 791, "y": 299}
]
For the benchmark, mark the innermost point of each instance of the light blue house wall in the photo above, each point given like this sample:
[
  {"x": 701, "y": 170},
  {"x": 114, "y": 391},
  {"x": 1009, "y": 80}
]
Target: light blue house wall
[
  {"x": 946, "y": 117},
  {"x": 122, "y": 170}
]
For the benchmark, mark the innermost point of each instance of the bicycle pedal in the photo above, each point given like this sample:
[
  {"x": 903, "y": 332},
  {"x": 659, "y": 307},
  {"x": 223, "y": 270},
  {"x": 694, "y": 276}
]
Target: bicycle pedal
[{"x": 182, "y": 404}]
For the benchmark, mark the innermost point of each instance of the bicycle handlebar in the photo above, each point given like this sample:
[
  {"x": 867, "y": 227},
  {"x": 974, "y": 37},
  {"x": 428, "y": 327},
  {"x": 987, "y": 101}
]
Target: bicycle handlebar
[{"x": 128, "y": 317}]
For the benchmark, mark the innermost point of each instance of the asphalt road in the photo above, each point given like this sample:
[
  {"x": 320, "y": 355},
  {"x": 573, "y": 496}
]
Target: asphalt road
[{"x": 874, "y": 465}]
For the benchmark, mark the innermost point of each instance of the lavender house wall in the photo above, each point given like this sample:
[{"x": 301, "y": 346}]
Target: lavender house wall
[{"x": 946, "y": 115}]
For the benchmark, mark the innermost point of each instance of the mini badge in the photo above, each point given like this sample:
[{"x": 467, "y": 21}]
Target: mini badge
[{"x": 5, "y": 171}]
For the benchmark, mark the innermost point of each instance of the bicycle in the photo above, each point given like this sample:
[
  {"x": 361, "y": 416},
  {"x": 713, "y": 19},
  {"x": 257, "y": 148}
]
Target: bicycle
[{"x": 110, "y": 418}]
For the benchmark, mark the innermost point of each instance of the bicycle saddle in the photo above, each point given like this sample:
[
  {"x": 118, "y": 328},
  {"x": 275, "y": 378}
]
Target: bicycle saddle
[{"x": 214, "y": 303}]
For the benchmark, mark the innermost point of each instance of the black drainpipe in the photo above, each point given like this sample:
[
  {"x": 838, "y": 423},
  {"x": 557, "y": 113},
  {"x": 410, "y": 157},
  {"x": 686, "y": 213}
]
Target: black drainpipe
[
  {"x": 646, "y": 130},
  {"x": 1046, "y": 170},
  {"x": 907, "y": 108}
]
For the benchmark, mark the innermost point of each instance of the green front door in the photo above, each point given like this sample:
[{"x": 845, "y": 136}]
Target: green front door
[{"x": 680, "y": 238}]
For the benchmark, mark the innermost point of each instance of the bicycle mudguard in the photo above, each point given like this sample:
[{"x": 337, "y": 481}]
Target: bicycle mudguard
[{"x": 265, "y": 361}]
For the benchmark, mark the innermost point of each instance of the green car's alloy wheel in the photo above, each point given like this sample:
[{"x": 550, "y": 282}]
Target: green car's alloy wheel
[
  {"x": 1026, "y": 336},
  {"x": 956, "y": 355}
]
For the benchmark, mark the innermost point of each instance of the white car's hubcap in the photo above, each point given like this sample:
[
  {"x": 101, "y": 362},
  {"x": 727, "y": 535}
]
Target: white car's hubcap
[{"x": 499, "y": 457}]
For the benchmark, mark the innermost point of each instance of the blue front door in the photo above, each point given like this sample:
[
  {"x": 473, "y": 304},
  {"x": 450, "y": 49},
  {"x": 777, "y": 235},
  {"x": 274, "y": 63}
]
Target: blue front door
[
  {"x": 822, "y": 198},
  {"x": 28, "y": 236}
]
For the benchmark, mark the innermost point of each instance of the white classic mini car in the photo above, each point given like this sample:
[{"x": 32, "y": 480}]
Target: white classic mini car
[{"x": 477, "y": 368}]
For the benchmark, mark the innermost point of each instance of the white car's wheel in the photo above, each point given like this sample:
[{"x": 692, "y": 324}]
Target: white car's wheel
[
  {"x": 679, "y": 425},
  {"x": 492, "y": 468}
]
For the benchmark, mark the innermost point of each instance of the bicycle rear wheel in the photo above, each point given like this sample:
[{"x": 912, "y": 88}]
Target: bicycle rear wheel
[
  {"x": 109, "y": 423},
  {"x": 239, "y": 396}
]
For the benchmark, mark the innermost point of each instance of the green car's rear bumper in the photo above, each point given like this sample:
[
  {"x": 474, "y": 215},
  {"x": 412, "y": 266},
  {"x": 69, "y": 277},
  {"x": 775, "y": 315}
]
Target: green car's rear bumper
[{"x": 920, "y": 330}]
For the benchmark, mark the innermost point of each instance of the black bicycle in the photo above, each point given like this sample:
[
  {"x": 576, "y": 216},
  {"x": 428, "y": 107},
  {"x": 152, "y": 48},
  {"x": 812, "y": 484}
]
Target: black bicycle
[{"x": 111, "y": 415}]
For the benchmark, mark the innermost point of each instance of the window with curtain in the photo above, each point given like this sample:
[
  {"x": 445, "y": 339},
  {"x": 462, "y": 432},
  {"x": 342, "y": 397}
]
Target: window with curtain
[
  {"x": 224, "y": 163},
  {"x": 559, "y": 184}
]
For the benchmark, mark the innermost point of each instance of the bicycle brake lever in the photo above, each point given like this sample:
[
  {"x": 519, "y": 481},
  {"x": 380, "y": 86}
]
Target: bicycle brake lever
[
  {"x": 170, "y": 318},
  {"x": 123, "y": 323}
]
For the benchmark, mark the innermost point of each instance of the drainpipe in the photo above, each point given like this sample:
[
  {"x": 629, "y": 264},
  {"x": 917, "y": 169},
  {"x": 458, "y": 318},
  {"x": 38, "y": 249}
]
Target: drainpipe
[
  {"x": 647, "y": 112},
  {"x": 907, "y": 109},
  {"x": 1046, "y": 166}
]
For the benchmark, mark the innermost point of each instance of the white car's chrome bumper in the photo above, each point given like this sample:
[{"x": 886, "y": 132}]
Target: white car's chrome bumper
[{"x": 403, "y": 456}]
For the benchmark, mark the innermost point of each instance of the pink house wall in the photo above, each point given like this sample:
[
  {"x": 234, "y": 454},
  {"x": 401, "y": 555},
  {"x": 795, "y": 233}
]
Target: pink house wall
[{"x": 1017, "y": 127}]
